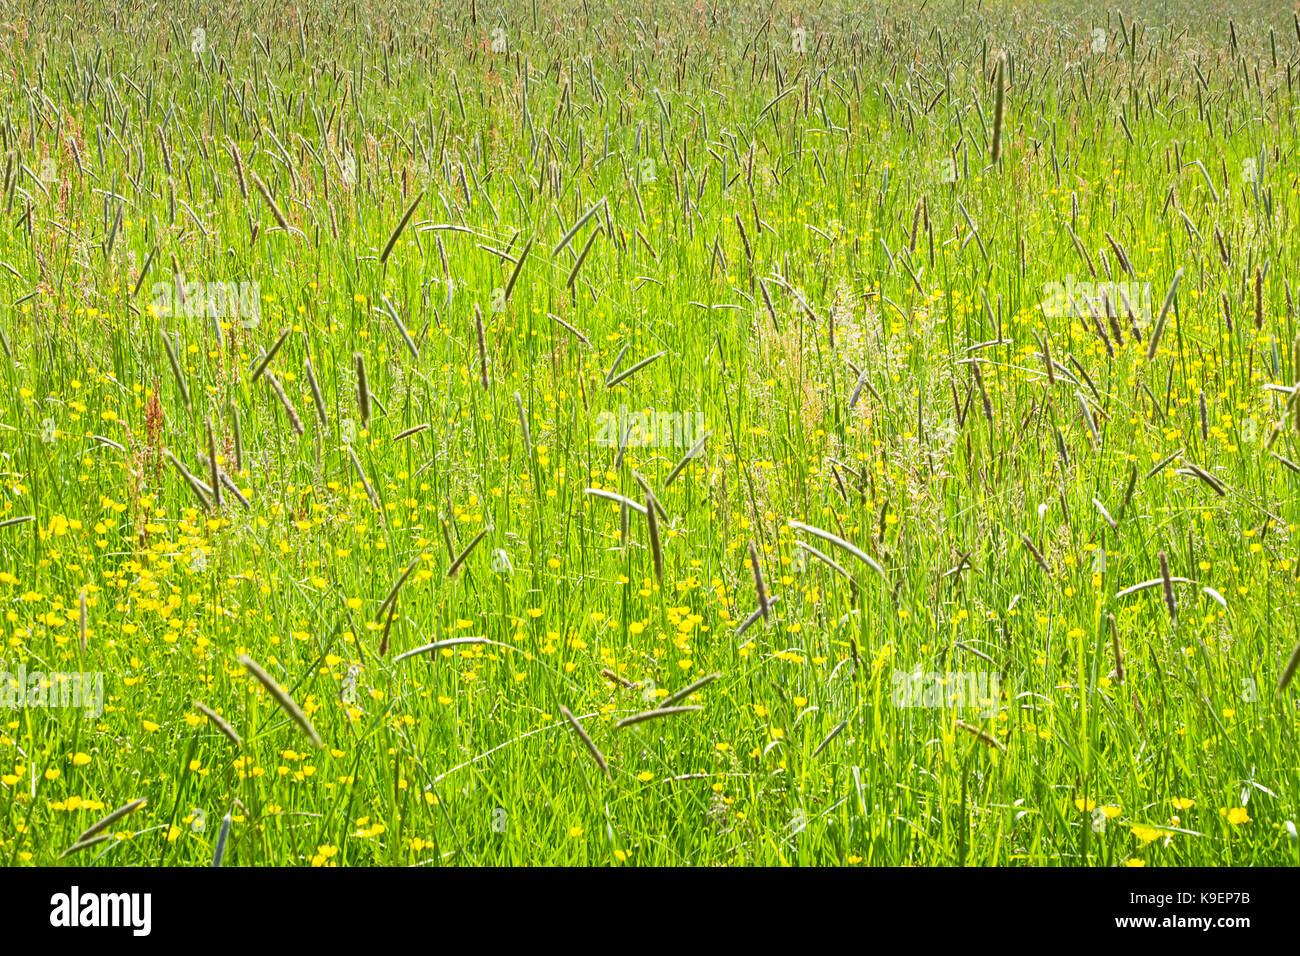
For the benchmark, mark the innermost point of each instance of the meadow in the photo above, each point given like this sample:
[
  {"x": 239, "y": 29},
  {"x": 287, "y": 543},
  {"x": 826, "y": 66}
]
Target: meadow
[{"x": 631, "y": 434}]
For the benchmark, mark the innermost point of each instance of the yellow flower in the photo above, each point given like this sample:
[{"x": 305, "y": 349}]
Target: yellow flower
[
  {"x": 80, "y": 760},
  {"x": 1236, "y": 816},
  {"x": 1182, "y": 803},
  {"x": 1146, "y": 834},
  {"x": 323, "y": 856}
]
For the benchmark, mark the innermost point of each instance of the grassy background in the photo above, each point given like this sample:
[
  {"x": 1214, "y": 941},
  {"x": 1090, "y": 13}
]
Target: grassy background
[{"x": 778, "y": 225}]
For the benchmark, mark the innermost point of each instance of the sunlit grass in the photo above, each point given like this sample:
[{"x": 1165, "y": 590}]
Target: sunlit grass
[{"x": 421, "y": 289}]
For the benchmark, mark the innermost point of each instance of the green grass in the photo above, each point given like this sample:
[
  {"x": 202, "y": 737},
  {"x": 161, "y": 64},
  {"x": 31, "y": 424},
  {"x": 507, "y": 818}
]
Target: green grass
[{"x": 779, "y": 229}]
